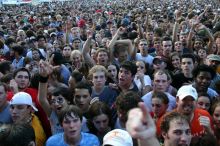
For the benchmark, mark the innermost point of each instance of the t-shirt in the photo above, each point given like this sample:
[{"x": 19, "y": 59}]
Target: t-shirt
[
  {"x": 147, "y": 59},
  {"x": 147, "y": 81},
  {"x": 179, "y": 80},
  {"x": 196, "y": 128},
  {"x": 86, "y": 140}
]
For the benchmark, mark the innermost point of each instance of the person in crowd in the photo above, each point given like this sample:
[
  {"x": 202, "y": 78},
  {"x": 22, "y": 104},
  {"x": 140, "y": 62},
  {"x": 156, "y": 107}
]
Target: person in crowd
[
  {"x": 204, "y": 101},
  {"x": 21, "y": 111},
  {"x": 17, "y": 134},
  {"x": 215, "y": 111},
  {"x": 100, "y": 119},
  {"x": 71, "y": 121}
]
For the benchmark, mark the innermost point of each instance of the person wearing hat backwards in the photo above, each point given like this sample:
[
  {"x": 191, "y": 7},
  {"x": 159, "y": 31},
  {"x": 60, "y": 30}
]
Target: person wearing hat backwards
[{"x": 22, "y": 112}]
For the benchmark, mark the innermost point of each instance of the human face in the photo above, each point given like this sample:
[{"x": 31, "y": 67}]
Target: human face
[
  {"x": 113, "y": 71},
  {"x": 101, "y": 123},
  {"x": 183, "y": 38},
  {"x": 41, "y": 43},
  {"x": 176, "y": 61},
  {"x": 102, "y": 58},
  {"x": 167, "y": 48},
  {"x": 186, "y": 106},
  {"x": 76, "y": 59},
  {"x": 203, "y": 102},
  {"x": 203, "y": 80},
  {"x": 35, "y": 55},
  {"x": 76, "y": 44},
  {"x": 82, "y": 99},
  {"x": 72, "y": 127},
  {"x": 143, "y": 48},
  {"x": 3, "y": 99},
  {"x": 178, "y": 47},
  {"x": 217, "y": 41},
  {"x": 150, "y": 36},
  {"x": 216, "y": 116},
  {"x": 22, "y": 79},
  {"x": 72, "y": 82},
  {"x": 202, "y": 53},
  {"x": 140, "y": 67},
  {"x": 179, "y": 134},
  {"x": 125, "y": 77},
  {"x": 122, "y": 56},
  {"x": 159, "y": 65},
  {"x": 98, "y": 79},
  {"x": 187, "y": 65},
  {"x": 58, "y": 103},
  {"x": 93, "y": 54},
  {"x": 20, "y": 113},
  {"x": 160, "y": 82},
  {"x": 198, "y": 45},
  {"x": 157, "y": 45},
  {"x": 66, "y": 51},
  {"x": 158, "y": 107}
]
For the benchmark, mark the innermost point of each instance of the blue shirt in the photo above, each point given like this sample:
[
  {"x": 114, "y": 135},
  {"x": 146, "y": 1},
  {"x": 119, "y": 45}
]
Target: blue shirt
[{"x": 86, "y": 140}]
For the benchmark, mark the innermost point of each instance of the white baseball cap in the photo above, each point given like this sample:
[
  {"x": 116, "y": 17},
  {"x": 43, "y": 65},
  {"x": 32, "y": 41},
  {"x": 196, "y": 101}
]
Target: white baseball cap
[
  {"x": 22, "y": 98},
  {"x": 118, "y": 137},
  {"x": 187, "y": 90}
]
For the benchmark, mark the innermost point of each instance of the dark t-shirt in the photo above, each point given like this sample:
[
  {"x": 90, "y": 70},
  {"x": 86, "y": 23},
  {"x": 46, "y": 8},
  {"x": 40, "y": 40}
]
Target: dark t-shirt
[{"x": 179, "y": 80}]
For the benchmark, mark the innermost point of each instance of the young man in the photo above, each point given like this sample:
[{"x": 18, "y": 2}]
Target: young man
[
  {"x": 143, "y": 55},
  {"x": 186, "y": 77},
  {"x": 21, "y": 110},
  {"x": 106, "y": 94},
  {"x": 203, "y": 76},
  {"x": 200, "y": 120},
  {"x": 160, "y": 83},
  {"x": 175, "y": 128},
  {"x": 71, "y": 121},
  {"x": 126, "y": 76}
]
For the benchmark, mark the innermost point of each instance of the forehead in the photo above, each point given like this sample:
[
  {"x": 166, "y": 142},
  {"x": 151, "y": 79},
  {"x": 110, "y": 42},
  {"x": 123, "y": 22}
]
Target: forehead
[
  {"x": 160, "y": 76},
  {"x": 102, "y": 52},
  {"x": 186, "y": 60},
  {"x": 81, "y": 91},
  {"x": 167, "y": 42},
  {"x": 24, "y": 73},
  {"x": 176, "y": 124},
  {"x": 139, "y": 63},
  {"x": 124, "y": 69},
  {"x": 204, "y": 73}
]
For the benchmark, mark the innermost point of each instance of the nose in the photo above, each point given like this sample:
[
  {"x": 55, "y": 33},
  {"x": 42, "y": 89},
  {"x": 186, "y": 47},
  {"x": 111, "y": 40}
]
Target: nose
[
  {"x": 204, "y": 107},
  {"x": 101, "y": 125},
  {"x": 183, "y": 138},
  {"x": 71, "y": 124}
]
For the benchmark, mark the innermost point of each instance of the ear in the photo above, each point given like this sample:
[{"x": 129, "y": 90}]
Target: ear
[{"x": 164, "y": 134}]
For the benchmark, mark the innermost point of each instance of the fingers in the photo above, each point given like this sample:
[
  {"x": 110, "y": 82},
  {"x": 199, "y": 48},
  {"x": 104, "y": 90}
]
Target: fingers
[{"x": 204, "y": 121}]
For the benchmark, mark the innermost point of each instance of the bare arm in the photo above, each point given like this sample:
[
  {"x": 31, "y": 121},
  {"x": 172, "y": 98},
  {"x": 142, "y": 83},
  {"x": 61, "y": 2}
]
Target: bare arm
[
  {"x": 86, "y": 50},
  {"x": 42, "y": 90}
]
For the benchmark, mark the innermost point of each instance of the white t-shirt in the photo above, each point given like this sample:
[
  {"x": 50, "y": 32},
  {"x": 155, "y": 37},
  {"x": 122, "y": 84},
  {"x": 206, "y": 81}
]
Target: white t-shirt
[
  {"x": 147, "y": 59},
  {"x": 147, "y": 81}
]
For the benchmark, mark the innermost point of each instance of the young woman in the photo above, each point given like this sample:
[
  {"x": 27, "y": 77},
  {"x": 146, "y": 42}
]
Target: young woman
[
  {"x": 216, "y": 119},
  {"x": 203, "y": 101},
  {"x": 175, "y": 60},
  {"x": 142, "y": 80},
  {"x": 99, "y": 121}
]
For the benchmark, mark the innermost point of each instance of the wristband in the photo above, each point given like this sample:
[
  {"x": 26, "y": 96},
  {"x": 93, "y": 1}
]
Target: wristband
[{"x": 43, "y": 79}]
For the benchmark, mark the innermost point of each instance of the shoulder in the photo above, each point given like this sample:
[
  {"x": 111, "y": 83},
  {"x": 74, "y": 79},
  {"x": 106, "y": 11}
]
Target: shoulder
[
  {"x": 89, "y": 139},
  {"x": 55, "y": 139},
  {"x": 148, "y": 95}
]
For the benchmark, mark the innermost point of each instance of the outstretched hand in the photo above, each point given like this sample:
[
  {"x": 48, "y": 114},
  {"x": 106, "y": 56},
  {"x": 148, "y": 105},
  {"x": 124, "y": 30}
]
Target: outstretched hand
[
  {"x": 140, "y": 124},
  {"x": 45, "y": 69}
]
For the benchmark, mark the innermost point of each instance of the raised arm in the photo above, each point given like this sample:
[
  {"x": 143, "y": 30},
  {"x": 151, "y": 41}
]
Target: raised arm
[
  {"x": 86, "y": 50},
  {"x": 44, "y": 70},
  {"x": 141, "y": 126}
]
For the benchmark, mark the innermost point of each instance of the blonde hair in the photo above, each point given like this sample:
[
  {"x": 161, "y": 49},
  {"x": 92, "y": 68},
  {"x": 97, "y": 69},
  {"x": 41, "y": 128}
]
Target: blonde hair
[
  {"x": 75, "y": 52},
  {"x": 97, "y": 68}
]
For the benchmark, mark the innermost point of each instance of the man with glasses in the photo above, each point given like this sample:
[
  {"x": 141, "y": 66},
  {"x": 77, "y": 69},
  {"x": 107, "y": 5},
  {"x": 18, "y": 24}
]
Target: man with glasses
[{"x": 143, "y": 55}]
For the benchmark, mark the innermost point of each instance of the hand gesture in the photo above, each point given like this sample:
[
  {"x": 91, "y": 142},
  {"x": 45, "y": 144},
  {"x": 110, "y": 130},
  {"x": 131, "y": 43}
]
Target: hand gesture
[
  {"x": 45, "y": 69},
  {"x": 140, "y": 124},
  {"x": 120, "y": 30},
  {"x": 205, "y": 121},
  {"x": 13, "y": 85}
]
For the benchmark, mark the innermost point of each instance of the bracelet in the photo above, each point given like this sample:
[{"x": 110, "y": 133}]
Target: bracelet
[{"x": 43, "y": 79}]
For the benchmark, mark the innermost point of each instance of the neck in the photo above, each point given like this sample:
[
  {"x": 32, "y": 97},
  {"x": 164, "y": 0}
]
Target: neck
[
  {"x": 98, "y": 89},
  {"x": 72, "y": 141},
  {"x": 127, "y": 87},
  {"x": 188, "y": 75}
]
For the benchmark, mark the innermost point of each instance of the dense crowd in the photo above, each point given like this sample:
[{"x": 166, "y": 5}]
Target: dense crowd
[{"x": 111, "y": 73}]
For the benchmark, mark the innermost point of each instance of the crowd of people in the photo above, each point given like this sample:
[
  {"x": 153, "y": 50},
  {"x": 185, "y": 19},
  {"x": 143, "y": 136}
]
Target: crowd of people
[{"x": 111, "y": 73}]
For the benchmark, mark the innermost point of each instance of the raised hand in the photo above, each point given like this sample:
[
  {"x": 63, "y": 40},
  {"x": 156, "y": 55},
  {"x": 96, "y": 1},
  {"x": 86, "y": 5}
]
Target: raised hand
[
  {"x": 140, "y": 124},
  {"x": 45, "y": 69}
]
